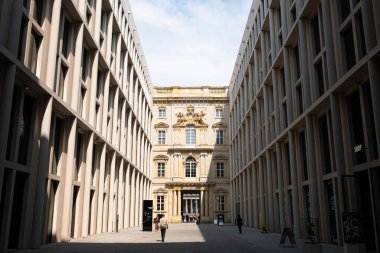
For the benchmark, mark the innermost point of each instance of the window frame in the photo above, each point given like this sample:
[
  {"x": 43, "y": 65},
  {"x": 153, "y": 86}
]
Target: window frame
[
  {"x": 190, "y": 135},
  {"x": 220, "y": 203},
  {"x": 160, "y": 169},
  {"x": 219, "y": 113},
  {"x": 219, "y": 137},
  {"x": 162, "y": 112},
  {"x": 161, "y": 137},
  {"x": 190, "y": 168},
  {"x": 160, "y": 199},
  {"x": 220, "y": 169}
]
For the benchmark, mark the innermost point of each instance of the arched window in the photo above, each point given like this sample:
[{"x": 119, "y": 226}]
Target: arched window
[
  {"x": 190, "y": 134},
  {"x": 190, "y": 167}
]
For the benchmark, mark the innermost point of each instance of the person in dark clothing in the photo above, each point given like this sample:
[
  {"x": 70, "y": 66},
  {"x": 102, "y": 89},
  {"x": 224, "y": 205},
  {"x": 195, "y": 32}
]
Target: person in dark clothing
[{"x": 239, "y": 222}]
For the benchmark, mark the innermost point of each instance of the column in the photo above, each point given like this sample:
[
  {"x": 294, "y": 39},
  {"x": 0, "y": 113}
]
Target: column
[
  {"x": 329, "y": 41},
  {"x": 87, "y": 184},
  {"x": 101, "y": 189},
  {"x": 244, "y": 198},
  {"x": 111, "y": 212},
  {"x": 179, "y": 201},
  {"x": 249, "y": 200},
  {"x": 174, "y": 202},
  {"x": 202, "y": 203},
  {"x": 68, "y": 176},
  {"x": 339, "y": 153},
  {"x": 270, "y": 191},
  {"x": 127, "y": 197},
  {"x": 254, "y": 193},
  {"x": 304, "y": 63},
  {"x": 133, "y": 197},
  {"x": 280, "y": 186},
  {"x": 43, "y": 167},
  {"x": 373, "y": 67},
  {"x": 261, "y": 195},
  {"x": 293, "y": 174},
  {"x": 206, "y": 203}
]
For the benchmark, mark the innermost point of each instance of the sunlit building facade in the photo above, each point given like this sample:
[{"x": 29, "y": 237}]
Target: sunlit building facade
[
  {"x": 190, "y": 171},
  {"x": 76, "y": 111},
  {"x": 305, "y": 121}
]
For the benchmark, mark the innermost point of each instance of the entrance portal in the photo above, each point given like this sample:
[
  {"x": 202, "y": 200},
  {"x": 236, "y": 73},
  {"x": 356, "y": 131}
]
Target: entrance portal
[{"x": 191, "y": 206}]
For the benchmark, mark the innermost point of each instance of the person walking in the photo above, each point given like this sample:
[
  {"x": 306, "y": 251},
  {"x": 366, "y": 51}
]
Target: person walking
[
  {"x": 239, "y": 222},
  {"x": 163, "y": 227}
]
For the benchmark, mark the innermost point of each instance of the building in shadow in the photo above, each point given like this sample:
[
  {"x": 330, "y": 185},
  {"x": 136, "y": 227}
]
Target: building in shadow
[
  {"x": 75, "y": 122},
  {"x": 305, "y": 121}
]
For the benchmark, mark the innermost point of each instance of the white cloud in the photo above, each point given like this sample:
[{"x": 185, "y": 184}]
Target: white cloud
[{"x": 190, "y": 42}]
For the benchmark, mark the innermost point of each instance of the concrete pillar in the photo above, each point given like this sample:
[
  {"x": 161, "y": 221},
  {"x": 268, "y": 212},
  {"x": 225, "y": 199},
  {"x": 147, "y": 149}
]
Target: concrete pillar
[
  {"x": 101, "y": 189},
  {"x": 254, "y": 194},
  {"x": 202, "y": 203},
  {"x": 127, "y": 204},
  {"x": 262, "y": 217},
  {"x": 304, "y": 63},
  {"x": 339, "y": 156},
  {"x": 244, "y": 198},
  {"x": 111, "y": 212},
  {"x": 133, "y": 197},
  {"x": 121, "y": 196},
  {"x": 293, "y": 174},
  {"x": 329, "y": 42},
  {"x": 43, "y": 168},
  {"x": 68, "y": 179},
  {"x": 137, "y": 198},
  {"x": 313, "y": 175},
  {"x": 373, "y": 67},
  {"x": 269, "y": 191},
  {"x": 87, "y": 184},
  {"x": 249, "y": 198},
  {"x": 280, "y": 185},
  {"x": 288, "y": 86}
]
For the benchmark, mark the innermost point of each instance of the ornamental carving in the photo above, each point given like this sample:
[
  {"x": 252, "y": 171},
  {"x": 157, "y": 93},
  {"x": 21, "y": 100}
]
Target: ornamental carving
[{"x": 190, "y": 118}]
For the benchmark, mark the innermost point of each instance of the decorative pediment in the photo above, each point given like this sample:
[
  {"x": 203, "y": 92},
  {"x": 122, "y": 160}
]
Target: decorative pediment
[
  {"x": 190, "y": 118},
  {"x": 219, "y": 157},
  {"x": 161, "y": 157},
  {"x": 220, "y": 191},
  {"x": 161, "y": 125},
  {"x": 160, "y": 190},
  {"x": 219, "y": 125}
]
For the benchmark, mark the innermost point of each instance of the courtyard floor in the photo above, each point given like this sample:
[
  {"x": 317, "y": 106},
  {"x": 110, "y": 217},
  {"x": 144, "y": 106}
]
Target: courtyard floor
[{"x": 181, "y": 238}]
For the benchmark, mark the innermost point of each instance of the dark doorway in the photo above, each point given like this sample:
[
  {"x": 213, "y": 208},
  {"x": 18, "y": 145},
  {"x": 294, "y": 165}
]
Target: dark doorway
[{"x": 191, "y": 205}]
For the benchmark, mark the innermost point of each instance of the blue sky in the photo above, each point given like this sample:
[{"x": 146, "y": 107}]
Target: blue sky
[{"x": 190, "y": 42}]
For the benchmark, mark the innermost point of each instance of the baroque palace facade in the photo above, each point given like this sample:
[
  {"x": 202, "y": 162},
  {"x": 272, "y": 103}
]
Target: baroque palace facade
[
  {"x": 76, "y": 111},
  {"x": 191, "y": 175},
  {"x": 305, "y": 121}
]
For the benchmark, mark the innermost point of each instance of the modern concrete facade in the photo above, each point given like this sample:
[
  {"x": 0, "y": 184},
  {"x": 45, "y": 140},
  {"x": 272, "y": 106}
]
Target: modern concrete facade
[
  {"x": 190, "y": 174},
  {"x": 305, "y": 120},
  {"x": 76, "y": 111}
]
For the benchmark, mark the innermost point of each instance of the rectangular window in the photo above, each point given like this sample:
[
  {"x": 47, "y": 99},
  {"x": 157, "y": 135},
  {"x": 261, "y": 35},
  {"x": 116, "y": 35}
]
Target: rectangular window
[
  {"x": 161, "y": 169},
  {"x": 356, "y": 128},
  {"x": 161, "y": 136},
  {"x": 219, "y": 137},
  {"x": 57, "y": 145},
  {"x": 348, "y": 49},
  {"x": 219, "y": 169},
  {"x": 190, "y": 135},
  {"x": 220, "y": 203},
  {"x": 160, "y": 203},
  {"x": 26, "y": 129},
  {"x": 219, "y": 113},
  {"x": 162, "y": 113}
]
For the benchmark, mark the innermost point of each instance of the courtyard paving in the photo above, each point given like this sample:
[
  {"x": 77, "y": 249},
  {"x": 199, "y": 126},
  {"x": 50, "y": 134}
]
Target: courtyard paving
[{"x": 181, "y": 238}]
